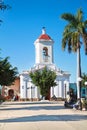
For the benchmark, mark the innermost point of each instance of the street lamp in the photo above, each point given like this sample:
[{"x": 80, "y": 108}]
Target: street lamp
[
  {"x": 86, "y": 83},
  {"x": 65, "y": 83},
  {"x": 79, "y": 79}
]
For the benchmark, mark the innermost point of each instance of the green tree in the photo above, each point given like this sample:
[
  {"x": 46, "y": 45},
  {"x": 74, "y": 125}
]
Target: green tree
[
  {"x": 44, "y": 79},
  {"x": 75, "y": 33},
  {"x": 84, "y": 83},
  {"x": 84, "y": 79},
  {"x": 7, "y": 72}
]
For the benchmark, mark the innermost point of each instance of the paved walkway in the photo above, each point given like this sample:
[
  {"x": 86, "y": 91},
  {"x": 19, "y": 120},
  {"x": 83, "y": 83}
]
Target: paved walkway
[{"x": 40, "y": 116}]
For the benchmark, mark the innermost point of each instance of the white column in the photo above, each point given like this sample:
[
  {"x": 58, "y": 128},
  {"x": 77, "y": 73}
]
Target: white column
[
  {"x": 36, "y": 94},
  {"x": 60, "y": 88},
  {"x": 67, "y": 88},
  {"x": 63, "y": 90},
  {"x": 25, "y": 89},
  {"x": 56, "y": 91},
  {"x": 28, "y": 90},
  {"x": 25, "y": 80},
  {"x": 33, "y": 91},
  {"x": 52, "y": 91},
  {"x": 21, "y": 86}
]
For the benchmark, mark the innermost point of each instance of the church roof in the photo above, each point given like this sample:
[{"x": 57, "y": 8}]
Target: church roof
[{"x": 44, "y": 36}]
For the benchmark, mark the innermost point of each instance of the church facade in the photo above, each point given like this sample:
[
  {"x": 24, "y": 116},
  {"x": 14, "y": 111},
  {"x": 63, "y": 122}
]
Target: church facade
[{"x": 44, "y": 57}]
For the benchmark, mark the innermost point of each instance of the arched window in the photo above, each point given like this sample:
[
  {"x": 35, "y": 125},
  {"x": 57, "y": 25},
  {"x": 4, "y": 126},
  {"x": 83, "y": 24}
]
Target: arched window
[{"x": 45, "y": 54}]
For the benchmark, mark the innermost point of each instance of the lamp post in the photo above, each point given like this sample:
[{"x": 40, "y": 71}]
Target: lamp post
[{"x": 65, "y": 83}]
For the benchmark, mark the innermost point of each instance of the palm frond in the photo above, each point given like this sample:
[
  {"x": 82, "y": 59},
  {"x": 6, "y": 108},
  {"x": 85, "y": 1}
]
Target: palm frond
[
  {"x": 74, "y": 31},
  {"x": 70, "y": 18},
  {"x": 79, "y": 15}
]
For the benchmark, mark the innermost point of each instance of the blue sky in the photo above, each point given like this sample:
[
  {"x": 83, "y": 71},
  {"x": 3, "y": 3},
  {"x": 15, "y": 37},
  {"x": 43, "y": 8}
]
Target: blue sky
[{"x": 22, "y": 25}]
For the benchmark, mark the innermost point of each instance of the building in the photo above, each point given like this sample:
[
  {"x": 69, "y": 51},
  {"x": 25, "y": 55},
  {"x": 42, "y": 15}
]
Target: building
[
  {"x": 9, "y": 91},
  {"x": 44, "y": 57}
]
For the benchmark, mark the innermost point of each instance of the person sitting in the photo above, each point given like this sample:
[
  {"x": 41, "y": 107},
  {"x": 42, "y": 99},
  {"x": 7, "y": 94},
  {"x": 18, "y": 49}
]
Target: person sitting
[{"x": 76, "y": 105}]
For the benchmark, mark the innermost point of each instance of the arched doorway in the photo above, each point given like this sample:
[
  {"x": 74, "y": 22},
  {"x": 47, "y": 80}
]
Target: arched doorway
[{"x": 11, "y": 93}]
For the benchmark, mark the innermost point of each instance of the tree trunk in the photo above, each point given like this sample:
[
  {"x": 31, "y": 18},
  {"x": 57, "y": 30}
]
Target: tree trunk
[{"x": 78, "y": 73}]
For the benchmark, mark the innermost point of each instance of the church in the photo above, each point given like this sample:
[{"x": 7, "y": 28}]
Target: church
[{"x": 44, "y": 57}]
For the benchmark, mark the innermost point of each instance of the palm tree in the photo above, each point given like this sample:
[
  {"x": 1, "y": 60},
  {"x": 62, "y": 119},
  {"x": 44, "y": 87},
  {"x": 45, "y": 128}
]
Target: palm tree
[{"x": 75, "y": 33}]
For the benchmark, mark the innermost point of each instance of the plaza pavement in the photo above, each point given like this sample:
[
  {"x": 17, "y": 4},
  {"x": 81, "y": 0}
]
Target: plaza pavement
[{"x": 42, "y": 115}]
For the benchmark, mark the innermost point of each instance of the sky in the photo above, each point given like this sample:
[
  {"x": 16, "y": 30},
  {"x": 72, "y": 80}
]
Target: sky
[{"x": 22, "y": 25}]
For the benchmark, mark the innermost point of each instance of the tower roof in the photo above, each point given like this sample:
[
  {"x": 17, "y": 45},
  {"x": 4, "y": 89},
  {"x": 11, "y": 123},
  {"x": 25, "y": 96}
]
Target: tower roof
[{"x": 44, "y": 36}]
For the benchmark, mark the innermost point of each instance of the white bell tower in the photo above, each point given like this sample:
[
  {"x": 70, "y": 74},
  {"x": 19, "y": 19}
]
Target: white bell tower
[{"x": 44, "y": 49}]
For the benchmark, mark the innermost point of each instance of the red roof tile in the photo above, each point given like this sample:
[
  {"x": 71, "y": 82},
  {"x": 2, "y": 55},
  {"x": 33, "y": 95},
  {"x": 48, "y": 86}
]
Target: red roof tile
[{"x": 45, "y": 37}]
